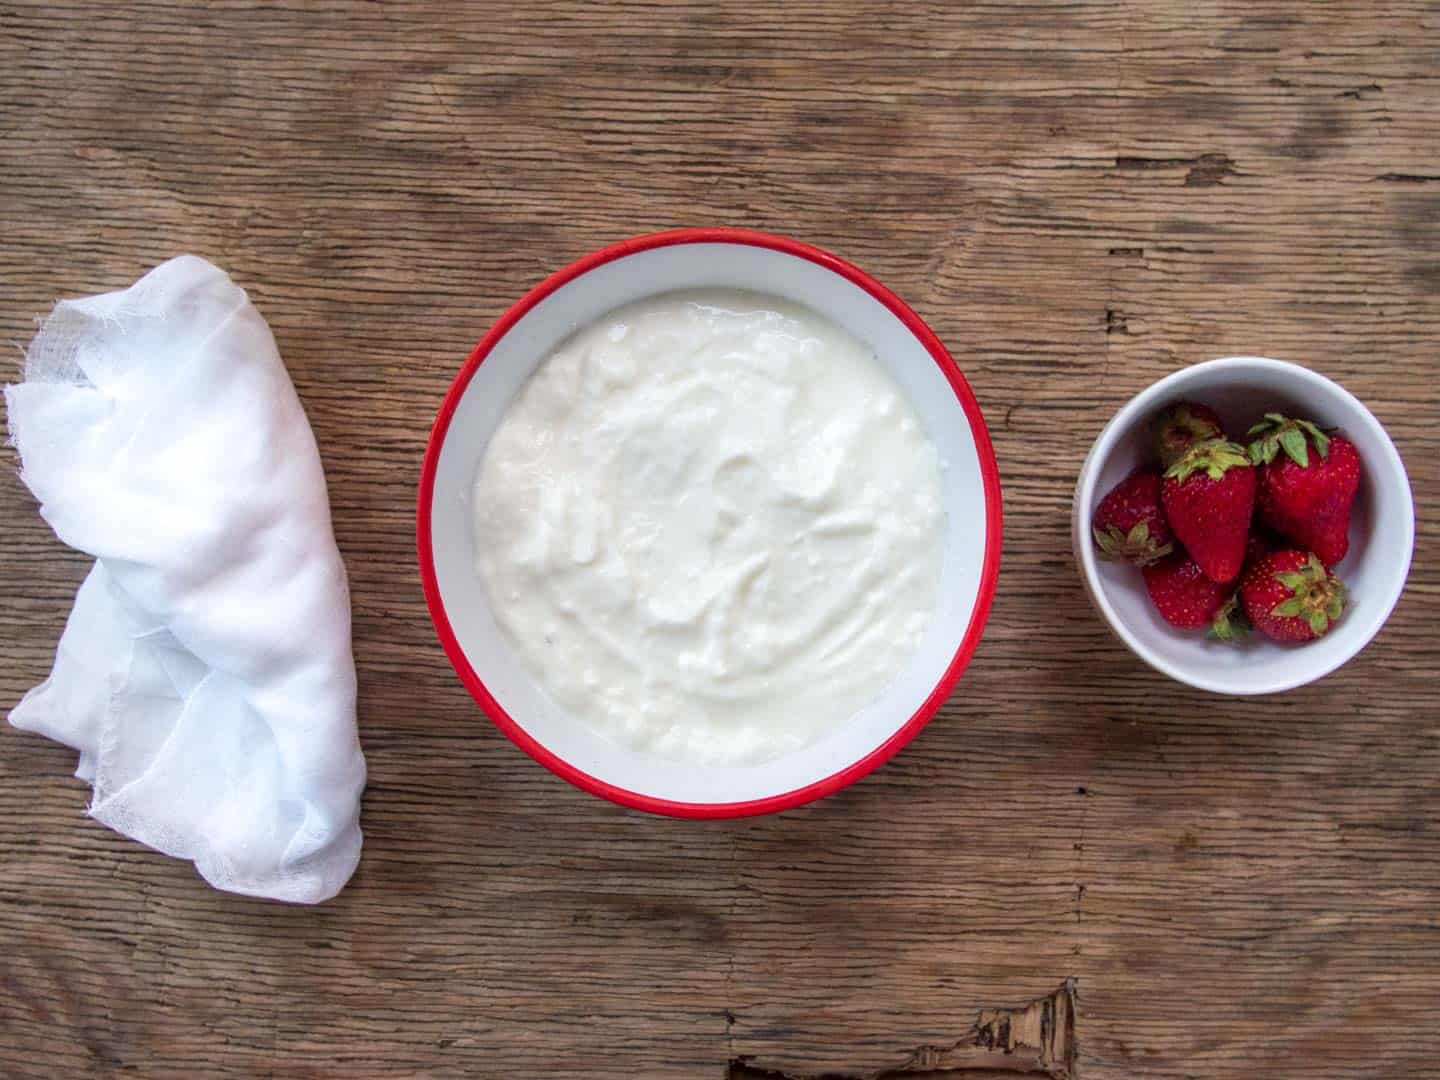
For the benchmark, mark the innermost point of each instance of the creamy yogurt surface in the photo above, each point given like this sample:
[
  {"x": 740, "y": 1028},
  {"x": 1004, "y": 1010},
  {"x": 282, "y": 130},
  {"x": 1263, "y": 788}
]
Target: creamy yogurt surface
[{"x": 710, "y": 525}]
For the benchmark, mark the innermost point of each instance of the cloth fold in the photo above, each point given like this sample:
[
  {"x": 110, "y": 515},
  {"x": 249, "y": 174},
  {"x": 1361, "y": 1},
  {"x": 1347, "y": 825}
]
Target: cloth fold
[{"x": 205, "y": 672}]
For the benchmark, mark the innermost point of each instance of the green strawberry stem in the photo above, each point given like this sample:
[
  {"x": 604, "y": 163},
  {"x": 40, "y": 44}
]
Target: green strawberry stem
[
  {"x": 1214, "y": 456},
  {"x": 1316, "y": 595},
  {"x": 1279, "y": 433},
  {"x": 1230, "y": 624},
  {"x": 1136, "y": 547}
]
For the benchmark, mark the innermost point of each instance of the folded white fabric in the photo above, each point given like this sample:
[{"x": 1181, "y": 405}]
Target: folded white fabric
[{"x": 205, "y": 673}]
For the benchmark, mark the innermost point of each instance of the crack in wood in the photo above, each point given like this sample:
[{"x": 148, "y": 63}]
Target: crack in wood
[
  {"x": 1360, "y": 93},
  {"x": 1037, "y": 1038},
  {"x": 1206, "y": 170}
]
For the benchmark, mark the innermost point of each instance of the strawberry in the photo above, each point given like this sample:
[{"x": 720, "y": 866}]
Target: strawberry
[
  {"x": 1259, "y": 543},
  {"x": 1129, "y": 525},
  {"x": 1180, "y": 427},
  {"x": 1230, "y": 623},
  {"x": 1182, "y": 593},
  {"x": 1291, "y": 596},
  {"x": 1209, "y": 496},
  {"x": 1306, "y": 496}
]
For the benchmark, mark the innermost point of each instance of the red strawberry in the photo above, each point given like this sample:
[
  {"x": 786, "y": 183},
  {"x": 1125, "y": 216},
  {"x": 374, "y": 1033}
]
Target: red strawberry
[
  {"x": 1182, "y": 593},
  {"x": 1230, "y": 623},
  {"x": 1209, "y": 495},
  {"x": 1180, "y": 427},
  {"x": 1290, "y": 596},
  {"x": 1258, "y": 544},
  {"x": 1129, "y": 525},
  {"x": 1306, "y": 497}
]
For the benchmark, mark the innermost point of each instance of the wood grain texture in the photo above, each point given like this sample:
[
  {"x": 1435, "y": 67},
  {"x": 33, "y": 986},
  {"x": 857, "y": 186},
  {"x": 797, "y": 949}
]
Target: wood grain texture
[{"x": 1079, "y": 197}]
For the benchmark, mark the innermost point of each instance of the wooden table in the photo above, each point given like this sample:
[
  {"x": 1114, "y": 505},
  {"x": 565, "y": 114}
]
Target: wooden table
[{"x": 1079, "y": 197}]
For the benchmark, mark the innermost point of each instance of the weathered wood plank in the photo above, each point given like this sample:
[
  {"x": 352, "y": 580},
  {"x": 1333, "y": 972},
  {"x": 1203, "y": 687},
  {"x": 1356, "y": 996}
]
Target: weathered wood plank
[{"x": 1080, "y": 197}]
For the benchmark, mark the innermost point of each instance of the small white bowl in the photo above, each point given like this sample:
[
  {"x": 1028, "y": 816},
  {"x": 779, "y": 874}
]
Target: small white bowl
[
  {"x": 1241, "y": 389},
  {"x": 528, "y": 333}
]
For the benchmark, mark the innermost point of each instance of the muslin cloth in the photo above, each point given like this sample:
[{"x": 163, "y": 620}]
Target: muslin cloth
[{"x": 205, "y": 673}]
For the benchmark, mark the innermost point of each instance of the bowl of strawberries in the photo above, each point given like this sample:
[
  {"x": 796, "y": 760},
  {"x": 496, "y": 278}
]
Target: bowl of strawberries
[{"x": 1244, "y": 525}]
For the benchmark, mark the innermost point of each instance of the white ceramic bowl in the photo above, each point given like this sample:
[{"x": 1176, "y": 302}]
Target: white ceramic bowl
[
  {"x": 1241, "y": 389},
  {"x": 525, "y": 335}
]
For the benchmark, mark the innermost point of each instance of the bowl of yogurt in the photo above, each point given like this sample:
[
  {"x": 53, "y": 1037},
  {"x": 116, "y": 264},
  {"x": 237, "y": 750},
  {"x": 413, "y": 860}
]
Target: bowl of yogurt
[{"x": 709, "y": 523}]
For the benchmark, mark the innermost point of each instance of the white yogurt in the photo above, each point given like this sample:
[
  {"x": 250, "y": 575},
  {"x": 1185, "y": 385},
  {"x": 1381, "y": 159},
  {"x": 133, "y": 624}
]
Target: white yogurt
[{"x": 710, "y": 526}]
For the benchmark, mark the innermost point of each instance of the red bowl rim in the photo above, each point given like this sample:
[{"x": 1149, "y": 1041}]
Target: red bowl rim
[{"x": 989, "y": 571}]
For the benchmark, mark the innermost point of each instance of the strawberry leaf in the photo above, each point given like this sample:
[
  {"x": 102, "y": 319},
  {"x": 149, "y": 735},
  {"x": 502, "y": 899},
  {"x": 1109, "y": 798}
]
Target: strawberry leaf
[
  {"x": 1338, "y": 595},
  {"x": 1318, "y": 622},
  {"x": 1321, "y": 440},
  {"x": 1135, "y": 547},
  {"x": 1263, "y": 450},
  {"x": 1213, "y": 456},
  {"x": 1105, "y": 542},
  {"x": 1292, "y": 441},
  {"x": 1230, "y": 623},
  {"x": 1288, "y": 608},
  {"x": 1277, "y": 433}
]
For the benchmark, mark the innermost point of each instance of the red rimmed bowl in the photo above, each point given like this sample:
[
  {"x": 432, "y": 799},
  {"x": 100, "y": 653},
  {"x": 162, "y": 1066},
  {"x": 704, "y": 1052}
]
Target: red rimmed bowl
[{"x": 528, "y": 333}]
